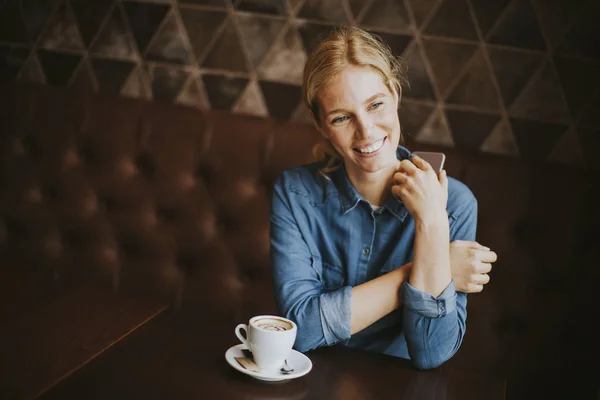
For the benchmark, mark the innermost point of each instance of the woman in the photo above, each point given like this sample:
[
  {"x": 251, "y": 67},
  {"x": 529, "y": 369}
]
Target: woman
[{"x": 360, "y": 241}]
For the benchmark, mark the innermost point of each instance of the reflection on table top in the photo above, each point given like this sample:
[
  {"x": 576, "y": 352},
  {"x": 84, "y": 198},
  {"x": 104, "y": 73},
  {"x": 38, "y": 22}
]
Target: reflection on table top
[{"x": 170, "y": 358}]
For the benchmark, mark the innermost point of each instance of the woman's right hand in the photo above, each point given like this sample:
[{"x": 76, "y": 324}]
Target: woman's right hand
[
  {"x": 470, "y": 263},
  {"x": 423, "y": 192}
]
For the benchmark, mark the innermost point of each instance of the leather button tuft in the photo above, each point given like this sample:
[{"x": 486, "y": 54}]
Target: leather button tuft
[
  {"x": 87, "y": 153},
  {"x": 186, "y": 182},
  {"x": 51, "y": 193},
  {"x": 186, "y": 261},
  {"x": 150, "y": 219},
  {"x": 126, "y": 168},
  {"x": 109, "y": 254},
  {"x": 131, "y": 248},
  {"x": 14, "y": 226},
  {"x": 71, "y": 159},
  {"x": 30, "y": 145},
  {"x": 53, "y": 246},
  {"x": 106, "y": 203},
  {"x": 208, "y": 226},
  {"x": 33, "y": 195},
  {"x": 245, "y": 189},
  {"x": 90, "y": 204},
  {"x": 203, "y": 172},
  {"x": 17, "y": 147},
  {"x": 146, "y": 165},
  {"x": 73, "y": 238},
  {"x": 167, "y": 213}
]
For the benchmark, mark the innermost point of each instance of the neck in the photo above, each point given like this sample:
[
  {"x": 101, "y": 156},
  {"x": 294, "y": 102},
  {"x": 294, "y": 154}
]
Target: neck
[{"x": 375, "y": 187}]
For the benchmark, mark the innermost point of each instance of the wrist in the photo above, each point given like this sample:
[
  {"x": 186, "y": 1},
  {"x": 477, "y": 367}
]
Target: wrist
[
  {"x": 439, "y": 220},
  {"x": 402, "y": 273}
]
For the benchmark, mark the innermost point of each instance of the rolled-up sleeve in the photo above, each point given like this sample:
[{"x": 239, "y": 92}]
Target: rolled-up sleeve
[
  {"x": 323, "y": 317},
  {"x": 426, "y": 304},
  {"x": 435, "y": 326}
]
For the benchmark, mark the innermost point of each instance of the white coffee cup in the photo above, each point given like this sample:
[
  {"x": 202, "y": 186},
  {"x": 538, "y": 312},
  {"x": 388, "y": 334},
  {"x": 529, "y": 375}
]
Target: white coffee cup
[{"x": 270, "y": 339}]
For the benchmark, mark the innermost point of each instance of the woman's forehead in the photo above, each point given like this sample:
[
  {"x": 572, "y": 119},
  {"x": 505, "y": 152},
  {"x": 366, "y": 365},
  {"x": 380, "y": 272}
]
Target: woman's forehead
[{"x": 353, "y": 84}]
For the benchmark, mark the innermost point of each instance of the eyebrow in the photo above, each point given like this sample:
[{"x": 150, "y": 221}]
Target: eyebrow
[{"x": 370, "y": 99}]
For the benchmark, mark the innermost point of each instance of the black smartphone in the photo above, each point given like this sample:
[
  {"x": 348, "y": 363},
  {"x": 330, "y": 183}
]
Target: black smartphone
[{"x": 436, "y": 159}]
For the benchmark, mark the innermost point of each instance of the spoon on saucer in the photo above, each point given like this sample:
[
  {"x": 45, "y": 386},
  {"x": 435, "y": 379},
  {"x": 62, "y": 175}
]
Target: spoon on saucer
[{"x": 286, "y": 369}]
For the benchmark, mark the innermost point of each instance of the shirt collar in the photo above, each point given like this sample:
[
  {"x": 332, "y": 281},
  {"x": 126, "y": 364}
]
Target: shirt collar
[{"x": 349, "y": 197}]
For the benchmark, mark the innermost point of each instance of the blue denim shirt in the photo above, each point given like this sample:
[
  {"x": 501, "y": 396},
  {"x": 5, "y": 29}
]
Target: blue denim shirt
[{"x": 325, "y": 239}]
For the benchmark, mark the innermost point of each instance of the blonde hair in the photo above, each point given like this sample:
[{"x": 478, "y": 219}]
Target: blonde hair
[{"x": 347, "y": 46}]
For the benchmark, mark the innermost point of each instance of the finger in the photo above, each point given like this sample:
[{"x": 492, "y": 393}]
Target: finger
[
  {"x": 408, "y": 167},
  {"x": 474, "y": 288},
  {"x": 462, "y": 243},
  {"x": 400, "y": 178},
  {"x": 479, "y": 246},
  {"x": 483, "y": 268},
  {"x": 443, "y": 179},
  {"x": 481, "y": 279},
  {"x": 488, "y": 256},
  {"x": 484, "y": 255},
  {"x": 469, "y": 243},
  {"x": 422, "y": 164},
  {"x": 399, "y": 190}
]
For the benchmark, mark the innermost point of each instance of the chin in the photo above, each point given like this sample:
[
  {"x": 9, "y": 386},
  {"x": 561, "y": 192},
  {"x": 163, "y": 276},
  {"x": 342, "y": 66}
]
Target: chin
[{"x": 380, "y": 165}]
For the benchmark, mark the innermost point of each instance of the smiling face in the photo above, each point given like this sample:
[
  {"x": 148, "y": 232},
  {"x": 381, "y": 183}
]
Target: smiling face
[{"x": 358, "y": 114}]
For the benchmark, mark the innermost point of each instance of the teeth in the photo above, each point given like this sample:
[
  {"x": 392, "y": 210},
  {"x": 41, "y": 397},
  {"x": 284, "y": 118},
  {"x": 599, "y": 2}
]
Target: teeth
[{"x": 370, "y": 149}]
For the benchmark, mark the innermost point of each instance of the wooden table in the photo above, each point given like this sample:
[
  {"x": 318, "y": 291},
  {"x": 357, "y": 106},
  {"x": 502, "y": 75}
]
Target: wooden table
[
  {"x": 49, "y": 334},
  {"x": 173, "y": 359}
]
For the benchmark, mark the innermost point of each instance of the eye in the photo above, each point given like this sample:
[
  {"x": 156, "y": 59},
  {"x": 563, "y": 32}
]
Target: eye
[
  {"x": 376, "y": 106},
  {"x": 339, "y": 119}
]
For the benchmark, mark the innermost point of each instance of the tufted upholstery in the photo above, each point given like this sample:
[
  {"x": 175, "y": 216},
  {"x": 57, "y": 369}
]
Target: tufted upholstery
[{"x": 170, "y": 202}]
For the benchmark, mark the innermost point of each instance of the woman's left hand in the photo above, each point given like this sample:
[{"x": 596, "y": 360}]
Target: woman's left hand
[
  {"x": 471, "y": 264},
  {"x": 423, "y": 192}
]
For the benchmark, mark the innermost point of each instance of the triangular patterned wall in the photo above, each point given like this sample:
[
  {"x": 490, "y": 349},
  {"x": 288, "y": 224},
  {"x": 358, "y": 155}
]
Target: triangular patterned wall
[{"x": 517, "y": 77}]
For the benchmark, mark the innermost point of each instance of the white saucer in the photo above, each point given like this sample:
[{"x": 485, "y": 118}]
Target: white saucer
[{"x": 301, "y": 364}]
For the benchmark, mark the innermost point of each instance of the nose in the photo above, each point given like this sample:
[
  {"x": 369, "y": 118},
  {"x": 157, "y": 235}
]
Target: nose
[{"x": 364, "y": 126}]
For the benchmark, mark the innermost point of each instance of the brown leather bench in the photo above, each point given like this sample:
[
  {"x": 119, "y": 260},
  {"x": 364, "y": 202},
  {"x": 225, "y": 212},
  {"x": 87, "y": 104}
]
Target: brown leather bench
[{"x": 169, "y": 205}]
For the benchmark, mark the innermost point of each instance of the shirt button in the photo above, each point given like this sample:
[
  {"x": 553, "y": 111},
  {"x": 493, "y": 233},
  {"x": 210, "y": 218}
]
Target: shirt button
[{"x": 366, "y": 251}]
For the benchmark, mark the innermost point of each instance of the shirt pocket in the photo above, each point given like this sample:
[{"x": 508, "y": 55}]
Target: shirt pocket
[{"x": 333, "y": 276}]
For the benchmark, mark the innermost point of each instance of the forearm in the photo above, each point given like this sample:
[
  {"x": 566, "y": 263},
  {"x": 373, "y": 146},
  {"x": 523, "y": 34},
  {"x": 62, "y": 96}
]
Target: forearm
[
  {"x": 431, "y": 270},
  {"x": 434, "y": 328},
  {"x": 375, "y": 299},
  {"x": 321, "y": 318}
]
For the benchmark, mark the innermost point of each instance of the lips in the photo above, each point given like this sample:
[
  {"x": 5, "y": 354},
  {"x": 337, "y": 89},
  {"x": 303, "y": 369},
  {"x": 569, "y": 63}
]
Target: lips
[{"x": 371, "y": 148}]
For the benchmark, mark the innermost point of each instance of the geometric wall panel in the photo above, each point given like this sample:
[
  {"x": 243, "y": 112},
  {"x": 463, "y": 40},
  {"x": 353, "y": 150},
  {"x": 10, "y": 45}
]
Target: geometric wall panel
[
  {"x": 58, "y": 67},
  {"x": 513, "y": 69},
  {"x": 111, "y": 74},
  {"x": 469, "y": 129},
  {"x": 452, "y": 19},
  {"x": 513, "y": 77},
  {"x": 12, "y": 59},
  {"x": 536, "y": 139},
  {"x": 542, "y": 99},
  {"x": 387, "y": 15},
  {"x": 476, "y": 87},
  {"x": 518, "y": 26}
]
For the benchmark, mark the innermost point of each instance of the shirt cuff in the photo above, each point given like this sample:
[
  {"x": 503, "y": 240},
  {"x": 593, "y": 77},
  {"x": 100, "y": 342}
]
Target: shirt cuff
[
  {"x": 425, "y": 304},
  {"x": 335, "y": 314}
]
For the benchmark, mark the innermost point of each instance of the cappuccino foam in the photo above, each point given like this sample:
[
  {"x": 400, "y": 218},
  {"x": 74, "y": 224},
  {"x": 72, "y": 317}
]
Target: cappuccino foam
[{"x": 272, "y": 324}]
